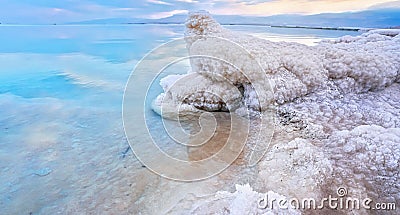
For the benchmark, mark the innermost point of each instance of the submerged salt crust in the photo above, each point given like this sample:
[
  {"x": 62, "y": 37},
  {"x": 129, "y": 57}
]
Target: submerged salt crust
[{"x": 337, "y": 119}]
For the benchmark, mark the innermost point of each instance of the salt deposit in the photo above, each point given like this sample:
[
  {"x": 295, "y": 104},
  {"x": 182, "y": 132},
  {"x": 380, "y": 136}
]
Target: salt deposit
[
  {"x": 352, "y": 64},
  {"x": 338, "y": 111}
]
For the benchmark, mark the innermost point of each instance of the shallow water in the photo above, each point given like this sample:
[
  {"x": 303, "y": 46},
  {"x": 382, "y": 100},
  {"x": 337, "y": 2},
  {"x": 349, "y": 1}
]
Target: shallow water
[{"x": 62, "y": 144}]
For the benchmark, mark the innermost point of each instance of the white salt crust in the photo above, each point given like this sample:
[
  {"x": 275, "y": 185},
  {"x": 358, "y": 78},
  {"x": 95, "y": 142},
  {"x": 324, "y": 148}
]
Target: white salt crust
[
  {"x": 351, "y": 64},
  {"x": 338, "y": 113}
]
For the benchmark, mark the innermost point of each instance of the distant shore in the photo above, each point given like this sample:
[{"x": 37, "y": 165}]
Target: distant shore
[
  {"x": 259, "y": 24},
  {"x": 224, "y": 24}
]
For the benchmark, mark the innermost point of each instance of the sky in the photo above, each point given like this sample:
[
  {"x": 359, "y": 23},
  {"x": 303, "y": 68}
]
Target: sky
[{"x": 61, "y": 11}]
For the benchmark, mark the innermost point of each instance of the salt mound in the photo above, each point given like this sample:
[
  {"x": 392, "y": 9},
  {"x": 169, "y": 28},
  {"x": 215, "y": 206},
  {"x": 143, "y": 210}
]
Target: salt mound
[{"x": 358, "y": 64}]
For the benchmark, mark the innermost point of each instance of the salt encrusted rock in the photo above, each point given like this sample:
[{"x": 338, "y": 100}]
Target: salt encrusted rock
[
  {"x": 371, "y": 155},
  {"x": 200, "y": 24},
  {"x": 359, "y": 64},
  {"x": 290, "y": 164},
  {"x": 194, "y": 92},
  {"x": 353, "y": 64},
  {"x": 386, "y": 32}
]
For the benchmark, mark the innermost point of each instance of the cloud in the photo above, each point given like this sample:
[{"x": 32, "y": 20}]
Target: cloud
[
  {"x": 50, "y": 11},
  {"x": 187, "y": 1},
  {"x": 166, "y": 14},
  {"x": 158, "y": 2},
  {"x": 295, "y": 7},
  {"x": 386, "y": 5}
]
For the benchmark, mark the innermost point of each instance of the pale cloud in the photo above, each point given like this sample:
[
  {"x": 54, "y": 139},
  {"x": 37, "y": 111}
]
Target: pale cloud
[
  {"x": 50, "y": 11},
  {"x": 166, "y": 14},
  {"x": 392, "y": 4},
  {"x": 127, "y": 9},
  {"x": 188, "y": 1},
  {"x": 295, "y": 7},
  {"x": 56, "y": 11},
  {"x": 158, "y": 2}
]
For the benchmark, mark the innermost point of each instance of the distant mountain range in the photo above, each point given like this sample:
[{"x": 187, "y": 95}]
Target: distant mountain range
[{"x": 378, "y": 18}]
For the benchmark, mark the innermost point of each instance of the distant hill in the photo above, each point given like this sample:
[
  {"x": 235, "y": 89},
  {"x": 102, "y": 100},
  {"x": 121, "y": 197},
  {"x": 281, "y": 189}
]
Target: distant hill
[
  {"x": 378, "y": 18},
  {"x": 111, "y": 21}
]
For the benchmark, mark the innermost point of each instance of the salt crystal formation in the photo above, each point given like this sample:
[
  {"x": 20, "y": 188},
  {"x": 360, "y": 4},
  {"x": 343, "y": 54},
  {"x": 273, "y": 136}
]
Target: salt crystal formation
[
  {"x": 352, "y": 64},
  {"x": 338, "y": 111},
  {"x": 243, "y": 201}
]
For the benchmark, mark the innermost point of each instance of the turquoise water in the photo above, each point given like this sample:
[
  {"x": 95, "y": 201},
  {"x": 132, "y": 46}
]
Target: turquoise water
[{"x": 62, "y": 145}]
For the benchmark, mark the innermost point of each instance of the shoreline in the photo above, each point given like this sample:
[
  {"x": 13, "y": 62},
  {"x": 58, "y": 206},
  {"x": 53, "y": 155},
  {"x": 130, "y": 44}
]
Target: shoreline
[
  {"x": 365, "y": 29},
  {"x": 354, "y": 29}
]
